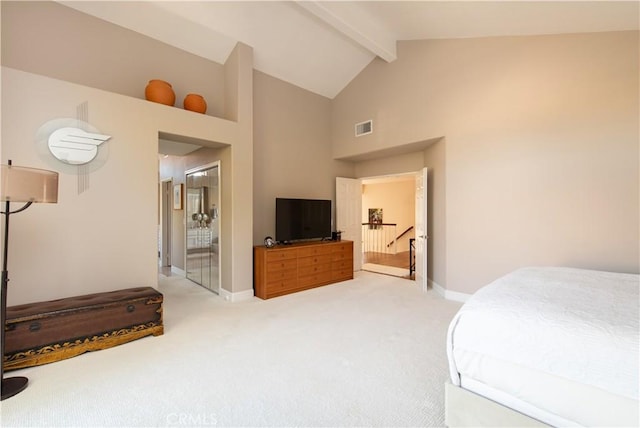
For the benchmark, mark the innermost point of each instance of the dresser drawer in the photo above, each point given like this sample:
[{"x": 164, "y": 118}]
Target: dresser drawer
[
  {"x": 342, "y": 264},
  {"x": 314, "y": 279},
  {"x": 281, "y": 287},
  {"x": 282, "y": 275},
  {"x": 275, "y": 255},
  {"x": 345, "y": 247},
  {"x": 310, "y": 261},
  {"x": 342, "y": 274},
  {"x": 314, "y": 269},
  {"x": 281, "y": 265},
  {"x": 342, "y": 255},
  {"x": 314, "y": 250}
]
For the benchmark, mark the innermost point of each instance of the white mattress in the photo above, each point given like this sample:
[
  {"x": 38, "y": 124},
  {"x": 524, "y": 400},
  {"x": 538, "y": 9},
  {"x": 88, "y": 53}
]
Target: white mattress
[{"x": 558, "y": 344}]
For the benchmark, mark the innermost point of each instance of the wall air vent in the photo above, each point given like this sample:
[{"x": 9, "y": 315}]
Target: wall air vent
[{"x": 364, "y": 128}]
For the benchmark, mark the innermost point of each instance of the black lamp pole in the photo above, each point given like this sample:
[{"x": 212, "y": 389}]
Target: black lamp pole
[{"x": 13, "y": 385}]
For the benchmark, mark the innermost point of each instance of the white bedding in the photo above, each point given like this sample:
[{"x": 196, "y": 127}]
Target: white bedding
[{"x": 559, "y": 344}]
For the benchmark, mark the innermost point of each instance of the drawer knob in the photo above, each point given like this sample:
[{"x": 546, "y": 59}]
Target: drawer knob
[
  {"x": 131, "y": 308},
  {"x": 34, "y": 326}
]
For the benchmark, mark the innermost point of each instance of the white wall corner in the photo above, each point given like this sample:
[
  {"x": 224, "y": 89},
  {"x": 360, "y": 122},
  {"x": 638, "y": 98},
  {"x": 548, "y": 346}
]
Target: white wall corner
[
  {"x": 241, "y": 296},
  {"x": 448, "y": 294},
  {"x": 437, "y": 288}
]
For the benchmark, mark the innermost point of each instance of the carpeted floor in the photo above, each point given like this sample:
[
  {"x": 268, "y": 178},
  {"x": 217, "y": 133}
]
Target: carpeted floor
[{"x": 366, "y": 352}]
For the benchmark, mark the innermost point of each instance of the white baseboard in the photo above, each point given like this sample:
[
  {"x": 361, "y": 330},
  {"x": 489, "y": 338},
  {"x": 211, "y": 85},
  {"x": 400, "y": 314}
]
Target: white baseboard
[
  {"x": 456, "y": 296},
  {"x": 225, "y": 294},
  {"x": 437, "y": 288},
  {"x": 448, "y": 294},
  {"x": 236, "y": 297}
]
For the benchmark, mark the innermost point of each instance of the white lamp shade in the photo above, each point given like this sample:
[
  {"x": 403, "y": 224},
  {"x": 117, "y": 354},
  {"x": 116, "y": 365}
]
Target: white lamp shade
[{"x": 22, "y": 184}]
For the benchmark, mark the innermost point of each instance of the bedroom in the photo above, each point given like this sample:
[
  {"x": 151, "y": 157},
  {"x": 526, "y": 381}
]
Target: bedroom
[
  {"x": 540, "y": 147},
  {"x": 524, "y": 156}
]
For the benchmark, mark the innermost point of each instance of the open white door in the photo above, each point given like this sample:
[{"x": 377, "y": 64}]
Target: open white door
[
  {"x": 421, "y": 229},
  {"x": 349, "y": 215}
]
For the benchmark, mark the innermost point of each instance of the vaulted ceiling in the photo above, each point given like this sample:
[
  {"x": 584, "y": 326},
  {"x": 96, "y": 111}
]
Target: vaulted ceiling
[{"x": 322, "y": 45}]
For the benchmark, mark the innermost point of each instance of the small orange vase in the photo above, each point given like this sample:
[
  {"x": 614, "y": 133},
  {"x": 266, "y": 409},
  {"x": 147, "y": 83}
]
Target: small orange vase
[
  {"x": 195, "y": 102},
  {"x": 160, "y": 91}
]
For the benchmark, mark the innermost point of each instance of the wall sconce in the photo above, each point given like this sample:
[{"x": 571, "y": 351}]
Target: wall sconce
[{"x": 75, "y": 146}]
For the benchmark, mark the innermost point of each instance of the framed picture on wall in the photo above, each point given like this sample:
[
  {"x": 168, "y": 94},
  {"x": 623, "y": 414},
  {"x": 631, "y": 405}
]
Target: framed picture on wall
[
  {"x": 375, "y": 218},
  {"x": 177, "y": 196}
]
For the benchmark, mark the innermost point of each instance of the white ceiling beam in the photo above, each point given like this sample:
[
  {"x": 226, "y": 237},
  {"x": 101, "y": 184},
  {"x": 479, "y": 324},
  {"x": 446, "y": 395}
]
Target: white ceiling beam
[{"x": 351, "y": 20}]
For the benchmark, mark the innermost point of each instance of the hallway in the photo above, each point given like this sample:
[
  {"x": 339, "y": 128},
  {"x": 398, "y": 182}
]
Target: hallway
[{"x": 388, "y": 264}]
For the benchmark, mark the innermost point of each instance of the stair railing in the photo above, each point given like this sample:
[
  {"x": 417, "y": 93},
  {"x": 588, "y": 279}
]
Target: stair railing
[
  {"x": 400, "y": 236},
  {"x": 376, "y": 235},
  {"x": 412, "y": 256}
]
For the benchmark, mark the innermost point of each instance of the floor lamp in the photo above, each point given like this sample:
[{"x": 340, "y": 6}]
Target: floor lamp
[{"x": 28, "y": 185}]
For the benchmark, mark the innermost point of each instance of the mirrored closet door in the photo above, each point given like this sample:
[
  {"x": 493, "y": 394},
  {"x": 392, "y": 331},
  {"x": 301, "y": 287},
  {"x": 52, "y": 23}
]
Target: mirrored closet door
[{"x": 203, "y": 226}]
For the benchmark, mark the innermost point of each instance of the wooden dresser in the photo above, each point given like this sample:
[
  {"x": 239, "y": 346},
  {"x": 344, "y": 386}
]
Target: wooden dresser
[{"x": 286, "y": 269}]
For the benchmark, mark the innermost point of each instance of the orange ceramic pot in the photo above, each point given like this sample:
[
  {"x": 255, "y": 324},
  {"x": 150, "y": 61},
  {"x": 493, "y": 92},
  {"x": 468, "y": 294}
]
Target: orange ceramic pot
[
  {"x": 160, "y": 91},
  {"x": 195, "y": 102}
]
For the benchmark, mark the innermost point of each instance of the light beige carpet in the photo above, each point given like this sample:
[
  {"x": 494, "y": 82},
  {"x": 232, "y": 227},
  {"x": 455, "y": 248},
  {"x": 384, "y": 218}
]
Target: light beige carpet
[{"x": 366, "y": 352}]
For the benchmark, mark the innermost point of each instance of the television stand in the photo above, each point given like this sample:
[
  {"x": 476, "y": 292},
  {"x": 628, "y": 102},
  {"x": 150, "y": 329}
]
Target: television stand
[{"x": 300, "y": 266}]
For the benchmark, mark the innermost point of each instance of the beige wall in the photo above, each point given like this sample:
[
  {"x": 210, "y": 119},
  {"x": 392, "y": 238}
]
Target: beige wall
[
  {"x": 541, "y": 145},
  {"x": 69, "y": 45},
  {"x": 80, "y": 244},
  {"x": 292, "y": 149},
  {"x": 540, "y": 155},
  {"x": 106, "y": 238},
  {"x": 390, "y": 165},
  {"x": 397, "y": 200},
  {"x": 293, "y": 145}
]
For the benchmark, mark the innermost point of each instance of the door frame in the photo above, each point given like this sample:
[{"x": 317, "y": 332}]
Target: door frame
[
  {"x": 357, "y": 245},
  {"x": 421, "y": 229},
  {"x": 166, "y": 221}
]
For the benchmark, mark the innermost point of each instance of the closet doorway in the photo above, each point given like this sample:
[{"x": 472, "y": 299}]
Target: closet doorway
[{"x": 203, "y": 226}]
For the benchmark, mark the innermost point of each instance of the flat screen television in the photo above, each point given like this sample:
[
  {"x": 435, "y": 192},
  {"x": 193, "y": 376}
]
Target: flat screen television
[{"x": 302, "y": 219}]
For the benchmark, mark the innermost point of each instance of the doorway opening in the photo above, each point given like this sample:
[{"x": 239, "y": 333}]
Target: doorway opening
[
  {"x": 354, "y": 220},
  {"x": 164, "y": 227},
  {"x": 388, "y": 220},
  {"x": 171, "y": 155}
]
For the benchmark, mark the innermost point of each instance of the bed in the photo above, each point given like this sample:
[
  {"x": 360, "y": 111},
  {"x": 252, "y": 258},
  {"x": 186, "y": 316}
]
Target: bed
[{"x": 547, "y": 346}]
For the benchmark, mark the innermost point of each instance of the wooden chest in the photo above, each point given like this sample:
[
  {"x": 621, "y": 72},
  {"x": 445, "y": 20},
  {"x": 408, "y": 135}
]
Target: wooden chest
[{"x": 44, "y": 332}]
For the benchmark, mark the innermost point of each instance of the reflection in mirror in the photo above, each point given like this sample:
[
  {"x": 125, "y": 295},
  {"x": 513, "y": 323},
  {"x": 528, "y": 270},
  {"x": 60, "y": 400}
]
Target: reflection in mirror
[{"x": 202, "y": 223}]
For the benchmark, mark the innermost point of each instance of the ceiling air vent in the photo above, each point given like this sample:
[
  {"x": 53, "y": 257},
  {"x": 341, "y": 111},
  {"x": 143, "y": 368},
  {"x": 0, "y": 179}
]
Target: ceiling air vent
[{"x": 364, "y": 128}]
